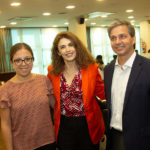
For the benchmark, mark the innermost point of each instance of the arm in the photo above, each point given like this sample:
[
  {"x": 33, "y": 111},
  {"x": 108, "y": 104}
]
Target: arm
[
  {"x": 52, "y": 101},
  {"x": 99, "y": 89},
  {"x": 6, "y": 127},
  {"x": 52, "y": 104}
]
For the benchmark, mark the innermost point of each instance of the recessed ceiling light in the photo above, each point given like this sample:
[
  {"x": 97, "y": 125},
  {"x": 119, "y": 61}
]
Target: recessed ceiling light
[
  {"x": 66, "y": 23},
  {"x": 99, "y": 0},
  {"x": 15, "y": 4},
  {"x": 129, "y": 10},
  {"x": 13, "y": 23},
  {"x": 55, "y": 26},
  {"x": 2, "y": 26},
  {"x": 46, "y": 14},
  {"x": 131, "y": 17},
  {"x": 132, "y": 23},
  {"x": 104, "y": 16},
  {"x": 93, "y": 23},
  {"x": 70, "y": 7}
]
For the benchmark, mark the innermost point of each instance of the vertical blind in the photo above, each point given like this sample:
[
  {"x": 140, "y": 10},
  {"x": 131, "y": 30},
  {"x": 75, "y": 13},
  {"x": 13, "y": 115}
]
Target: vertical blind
[
  {"x": 100, "y": 43},
  {"x": 40, "y": 40}
]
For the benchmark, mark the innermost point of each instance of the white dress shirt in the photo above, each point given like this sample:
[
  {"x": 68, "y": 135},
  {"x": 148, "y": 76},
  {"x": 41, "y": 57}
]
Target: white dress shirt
[{"x": 118, "y": 89}]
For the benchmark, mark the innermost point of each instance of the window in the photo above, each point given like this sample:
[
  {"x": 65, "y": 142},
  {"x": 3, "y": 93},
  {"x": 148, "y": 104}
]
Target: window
[
  {"x": 40, "y": 40},
  {"x": 100, "y": 43}
]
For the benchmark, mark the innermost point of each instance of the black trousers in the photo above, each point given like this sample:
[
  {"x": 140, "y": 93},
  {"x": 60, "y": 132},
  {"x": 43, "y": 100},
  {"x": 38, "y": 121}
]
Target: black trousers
[
  {"x": 116, "y": 140},
  {"x": 47, "y": 147},
  {"x": 74, "y": 134}
]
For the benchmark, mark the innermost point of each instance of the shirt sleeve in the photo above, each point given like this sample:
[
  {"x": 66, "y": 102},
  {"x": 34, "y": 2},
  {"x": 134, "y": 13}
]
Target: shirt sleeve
[
  {"x": 50, "y": 91},
  {"x": 4, "y": 97}
]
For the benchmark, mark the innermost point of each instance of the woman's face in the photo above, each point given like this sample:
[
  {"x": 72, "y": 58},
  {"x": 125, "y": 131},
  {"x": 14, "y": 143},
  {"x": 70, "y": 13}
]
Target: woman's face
[
  {"x": 67, "y": 50},
  {"x": 22, "y": 62}
]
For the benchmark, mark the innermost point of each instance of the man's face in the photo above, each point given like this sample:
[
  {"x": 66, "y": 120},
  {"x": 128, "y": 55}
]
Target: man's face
[{"x": 121, "y": 41}]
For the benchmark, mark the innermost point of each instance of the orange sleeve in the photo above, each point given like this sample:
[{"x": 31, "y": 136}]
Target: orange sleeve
[{"x": 99, "y": 89}]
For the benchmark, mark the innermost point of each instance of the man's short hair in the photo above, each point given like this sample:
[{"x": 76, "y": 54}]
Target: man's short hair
[{"x": 122, "y": 23}]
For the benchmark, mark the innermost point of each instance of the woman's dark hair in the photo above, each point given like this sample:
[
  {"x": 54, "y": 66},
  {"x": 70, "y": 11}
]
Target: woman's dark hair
[{"x": 17, "y": 47}]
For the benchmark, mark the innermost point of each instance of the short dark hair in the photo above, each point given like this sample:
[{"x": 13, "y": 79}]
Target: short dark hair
[
  {"x": 17, "y": 47},
  {"x": 121, "y": 23},
  {"x": 99, "y": 59},
  {"x": 136, "y": 51}
]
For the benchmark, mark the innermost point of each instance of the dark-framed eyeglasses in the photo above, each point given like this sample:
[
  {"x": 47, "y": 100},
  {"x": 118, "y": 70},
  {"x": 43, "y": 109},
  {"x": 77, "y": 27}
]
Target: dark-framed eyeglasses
[{"x": 26, "y": 60}]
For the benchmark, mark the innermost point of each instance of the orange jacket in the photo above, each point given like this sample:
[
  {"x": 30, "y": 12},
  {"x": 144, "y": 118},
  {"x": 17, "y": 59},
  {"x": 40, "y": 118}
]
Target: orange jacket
[{"x": 91, "y": 85}]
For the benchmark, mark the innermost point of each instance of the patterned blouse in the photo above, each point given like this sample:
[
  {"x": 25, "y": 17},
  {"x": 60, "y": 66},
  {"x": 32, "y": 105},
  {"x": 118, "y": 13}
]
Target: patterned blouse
[
  {"x": 28, "y": 101},
  {"x": 71, "y": 97}
]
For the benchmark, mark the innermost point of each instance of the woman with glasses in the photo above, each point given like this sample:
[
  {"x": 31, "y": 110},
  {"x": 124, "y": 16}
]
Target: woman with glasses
[
  {"x": 76, "y": 81},
  {"x": 25, "y": 102}
]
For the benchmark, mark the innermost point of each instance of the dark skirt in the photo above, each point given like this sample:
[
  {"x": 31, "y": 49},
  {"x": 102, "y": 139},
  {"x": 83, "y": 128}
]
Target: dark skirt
[{"x": 74, "y": 134}]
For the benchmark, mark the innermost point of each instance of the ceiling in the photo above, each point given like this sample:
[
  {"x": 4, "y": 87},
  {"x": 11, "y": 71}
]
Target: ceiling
[{"x": 29, "y": 13}]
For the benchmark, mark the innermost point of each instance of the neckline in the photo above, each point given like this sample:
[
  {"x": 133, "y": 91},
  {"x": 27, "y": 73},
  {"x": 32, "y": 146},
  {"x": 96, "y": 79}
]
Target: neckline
[
  {"x": 64, "y": 79},
  {"x": 26, "y": 81}
]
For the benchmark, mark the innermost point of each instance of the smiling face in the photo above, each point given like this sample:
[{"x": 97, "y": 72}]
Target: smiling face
[
  {"x": 23, "y": 68},
  {"x": 121, "y": 41},
  {"x": 67, "y": 50}
]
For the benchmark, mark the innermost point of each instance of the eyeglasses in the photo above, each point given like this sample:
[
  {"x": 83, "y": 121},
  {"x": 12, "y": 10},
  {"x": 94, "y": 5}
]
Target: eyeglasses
[{"x": 26, "y": 60}]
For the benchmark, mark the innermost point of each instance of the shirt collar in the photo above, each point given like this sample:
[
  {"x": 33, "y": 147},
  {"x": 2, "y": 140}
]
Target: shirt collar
[{"x": 129, "y": 62}]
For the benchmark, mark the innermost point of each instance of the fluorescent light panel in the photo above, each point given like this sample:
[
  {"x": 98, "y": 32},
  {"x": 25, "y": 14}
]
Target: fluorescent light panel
[
  {"x": 99, "y": 14},
  {"x": 15, "y": 4},
  {"x": 2, "y": 26},
  {"x": 46, "y": 14},
  {"x": 129, "y": 10},
  {"x": 13, "y": 23},
  {"x": 70, "y": 6}
]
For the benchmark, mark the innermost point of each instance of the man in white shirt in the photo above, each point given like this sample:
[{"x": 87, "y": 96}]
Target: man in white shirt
[{"x": 127, "y": 88}]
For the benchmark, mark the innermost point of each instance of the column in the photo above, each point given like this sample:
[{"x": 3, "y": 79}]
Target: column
[
  {"x": 145, "y": 35},
  {"x": 78, "y": 27}
]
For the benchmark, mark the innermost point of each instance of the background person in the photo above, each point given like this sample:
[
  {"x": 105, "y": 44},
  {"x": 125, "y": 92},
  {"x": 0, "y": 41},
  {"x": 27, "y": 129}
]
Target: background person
[
  {"x": 127, "y": 87},
  {"x": 99, "y": 61},
  {"x": 24, "y": 105},
  {"x": 76, "y": 80},
  {"x": 148, "y": 54}
]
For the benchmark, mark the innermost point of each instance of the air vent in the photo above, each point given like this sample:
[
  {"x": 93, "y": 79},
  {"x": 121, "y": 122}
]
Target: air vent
[
  {"x": 62, "y": 13},
  {"x": 20, "y": 19}
]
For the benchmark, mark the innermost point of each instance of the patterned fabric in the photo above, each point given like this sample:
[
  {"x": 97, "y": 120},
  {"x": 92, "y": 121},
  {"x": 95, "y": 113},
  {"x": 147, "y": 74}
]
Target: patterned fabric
[
  {"x": 71, "y": 97},
  {"x": 30, "y": 113}
]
